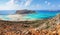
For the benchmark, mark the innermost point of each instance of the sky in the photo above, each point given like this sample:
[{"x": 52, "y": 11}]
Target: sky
[{"x": 30, "y": 4}]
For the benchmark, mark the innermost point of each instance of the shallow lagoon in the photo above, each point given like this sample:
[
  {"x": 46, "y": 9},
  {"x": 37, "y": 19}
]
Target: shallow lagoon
[{"x": 39, "y": 14}]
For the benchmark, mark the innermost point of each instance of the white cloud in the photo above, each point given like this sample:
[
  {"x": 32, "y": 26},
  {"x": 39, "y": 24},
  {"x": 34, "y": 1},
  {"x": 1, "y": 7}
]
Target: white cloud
[
  {"x": 48, "y": 3},
  {"x": 10, "y": 5},
  {"x": 58, "y": 5},
  {"x": 28, "y": 2},
  {"x": 11, "y": 2}
]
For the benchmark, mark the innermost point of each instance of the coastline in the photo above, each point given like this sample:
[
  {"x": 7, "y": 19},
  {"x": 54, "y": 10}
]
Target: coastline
[{"x": 24, "y": 27}]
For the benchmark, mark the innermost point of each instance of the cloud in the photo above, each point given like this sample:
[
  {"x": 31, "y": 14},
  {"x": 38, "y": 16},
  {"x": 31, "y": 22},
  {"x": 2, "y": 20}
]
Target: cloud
[
  {"x": 11, "y": 2},
  {"x": 19, "y": 5},
  {"x": 10, "y": 5},
  {"x": 48, "y": 3},
  {"x": 58, "y": 5},
  {"x": 28, "y": 2}
]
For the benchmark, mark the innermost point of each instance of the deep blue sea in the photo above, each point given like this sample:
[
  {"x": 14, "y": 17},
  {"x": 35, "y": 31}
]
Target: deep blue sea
[{"x": 40, "y": 14}]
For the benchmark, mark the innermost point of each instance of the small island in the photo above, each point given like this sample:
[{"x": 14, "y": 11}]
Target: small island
[{"x": 25, "y": 11}]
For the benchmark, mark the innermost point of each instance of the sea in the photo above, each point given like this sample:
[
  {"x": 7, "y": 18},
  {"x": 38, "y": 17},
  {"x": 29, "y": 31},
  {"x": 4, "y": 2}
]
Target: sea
[{"x": 40, "y": 14}]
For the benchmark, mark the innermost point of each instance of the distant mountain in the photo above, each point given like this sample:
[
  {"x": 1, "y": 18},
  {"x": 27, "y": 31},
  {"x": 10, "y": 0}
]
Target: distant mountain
[{"x": 25, "y": 11}]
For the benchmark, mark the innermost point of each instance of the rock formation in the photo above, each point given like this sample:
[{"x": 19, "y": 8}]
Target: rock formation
[{"x": 25, "y": 11}]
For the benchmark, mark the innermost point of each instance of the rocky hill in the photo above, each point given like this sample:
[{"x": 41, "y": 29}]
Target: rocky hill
[{"x": 25, "y": 11}]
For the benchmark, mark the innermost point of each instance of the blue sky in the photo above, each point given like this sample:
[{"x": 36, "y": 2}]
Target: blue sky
[{"x": 30, "y": 4}]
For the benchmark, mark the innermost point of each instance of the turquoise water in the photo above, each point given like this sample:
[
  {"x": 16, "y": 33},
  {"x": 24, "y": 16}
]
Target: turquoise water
[
  {"x": 39, "y": 14},
  {"x": 42, "y": 14}
]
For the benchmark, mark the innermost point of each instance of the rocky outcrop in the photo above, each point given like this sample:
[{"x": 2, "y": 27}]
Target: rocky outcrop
[
  {"x": 55, "y": 19},
  {"x": 25, "y": 11}
]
